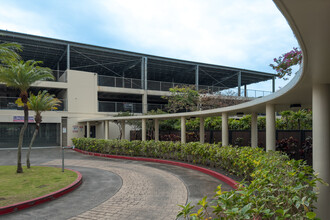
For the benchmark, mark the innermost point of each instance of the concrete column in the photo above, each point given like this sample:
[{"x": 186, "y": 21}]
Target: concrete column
[
  {"x": 321, "y": 145},
  {"x": 270, "y": 127},
  {"x": 156, "y": 129},
  {"x": 144, "y": 129},
  {"x": 106, "y": 129},
  {"x": 145, "y": 102},
  {"x": 123, "y": 124},
  {"x": 239, "y": 83},
  {"x": 88, "y": 130},
  {"x": 254, "y": 129},
  {"x": 183, "y": 130},
  {"x": 225, "y": 132},
  {"x": 201, "y": 130}
]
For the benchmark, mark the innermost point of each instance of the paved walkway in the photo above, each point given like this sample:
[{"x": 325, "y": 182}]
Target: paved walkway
[{"x": 117, "y": 189}]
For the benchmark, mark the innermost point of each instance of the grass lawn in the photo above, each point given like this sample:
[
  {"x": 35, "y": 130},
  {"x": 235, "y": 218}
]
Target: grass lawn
[{"x": 34, "y": 182}]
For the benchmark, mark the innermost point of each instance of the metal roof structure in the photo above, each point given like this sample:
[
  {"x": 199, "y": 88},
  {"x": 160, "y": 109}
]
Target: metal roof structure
[{"x": 61, "y": 55}]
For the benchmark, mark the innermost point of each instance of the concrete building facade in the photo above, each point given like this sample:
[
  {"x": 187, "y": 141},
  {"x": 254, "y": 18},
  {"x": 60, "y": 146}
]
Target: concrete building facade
[
  {"x": 310, "y": 88},
  {"x": 95, "y": 82}
]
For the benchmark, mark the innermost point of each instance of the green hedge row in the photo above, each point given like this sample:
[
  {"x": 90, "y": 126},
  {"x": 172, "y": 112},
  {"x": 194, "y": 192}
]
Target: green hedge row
[{"x": 275, "y": 187}]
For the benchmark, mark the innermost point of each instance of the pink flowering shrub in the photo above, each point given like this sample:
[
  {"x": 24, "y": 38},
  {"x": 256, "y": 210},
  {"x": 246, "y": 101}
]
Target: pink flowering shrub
[{"x": 284, "y": 63}]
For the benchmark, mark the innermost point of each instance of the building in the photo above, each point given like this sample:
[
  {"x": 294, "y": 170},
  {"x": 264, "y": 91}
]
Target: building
[{"x": 95, "y": 81}]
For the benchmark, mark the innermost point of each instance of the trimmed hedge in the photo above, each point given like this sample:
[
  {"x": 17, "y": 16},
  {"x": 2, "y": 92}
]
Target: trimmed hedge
[{"x": 276, "y": 186}]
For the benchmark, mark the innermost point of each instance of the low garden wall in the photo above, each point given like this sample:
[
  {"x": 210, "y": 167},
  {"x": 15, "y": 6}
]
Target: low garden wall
[{"x": 274, "y": 186}]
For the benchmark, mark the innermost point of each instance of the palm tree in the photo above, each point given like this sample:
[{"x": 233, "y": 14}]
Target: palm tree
[
  {"x": 8, "y": 52},
  {"x": 21, "y": 75},
  {"x": 40, "y": 103},
  {"x": 286, "y": 115},
  {"x": 300, "y": 117}
]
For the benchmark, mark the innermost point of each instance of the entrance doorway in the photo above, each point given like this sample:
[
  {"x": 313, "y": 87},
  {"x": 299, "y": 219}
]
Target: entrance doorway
[{"x": 92, "y": 131}]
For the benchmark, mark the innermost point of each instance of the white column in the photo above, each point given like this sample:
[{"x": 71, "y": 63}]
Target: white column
[
  {"x": 123, "y": 130},
  {"x": 225, "y": 132},
  {"x": 183, "y": 130},
  {"x": 270, "y": 127},
  {"x": 201, "y": 130},
  {"x": 254, "y": 129},
  {"x": 145, "y": 102},
  {"x": 321, "y": 145},
  {"x": 106, "y": 129},
  {"x": 88, "y": 130},
  {"x": 144, "y": 129},
  {"x": 156, "y": 129}
]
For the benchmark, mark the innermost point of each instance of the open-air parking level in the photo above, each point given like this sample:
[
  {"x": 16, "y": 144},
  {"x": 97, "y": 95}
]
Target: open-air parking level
[
  {"x": 309, "y": 88},
  {"x": 95, "y": 83}
]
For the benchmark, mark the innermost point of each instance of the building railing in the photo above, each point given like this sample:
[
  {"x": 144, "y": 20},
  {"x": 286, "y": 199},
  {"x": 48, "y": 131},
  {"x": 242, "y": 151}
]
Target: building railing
[
  {"x": 131, "y": 83},
  {"x": 120, "y": 82},
  {"x": 108, "y": 106},
  {"x": 252, "y": 93},
  {"x": 8, "y": 103}
]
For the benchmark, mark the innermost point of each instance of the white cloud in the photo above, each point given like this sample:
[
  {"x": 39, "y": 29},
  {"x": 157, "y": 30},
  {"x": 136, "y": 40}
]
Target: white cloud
[
  {"x": 20, "y": 20},
  {"x": 241, "y": 33}
]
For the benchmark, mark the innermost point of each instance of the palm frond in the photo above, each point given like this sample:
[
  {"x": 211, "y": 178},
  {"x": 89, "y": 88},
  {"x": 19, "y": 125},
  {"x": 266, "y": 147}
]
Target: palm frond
[
  {"x": 22, "y": 74},
  {"x": 43, "y": 102},
  {"x": 8, "y": 52}
]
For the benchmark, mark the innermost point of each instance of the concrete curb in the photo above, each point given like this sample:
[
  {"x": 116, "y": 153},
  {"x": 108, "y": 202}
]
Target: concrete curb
[
  {"x": 232, "y": 183},
  {"x": 42, "y": 199}
]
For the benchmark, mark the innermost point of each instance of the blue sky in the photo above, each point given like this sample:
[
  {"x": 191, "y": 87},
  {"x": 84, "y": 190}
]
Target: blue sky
[{"x": 241, "y": 33}]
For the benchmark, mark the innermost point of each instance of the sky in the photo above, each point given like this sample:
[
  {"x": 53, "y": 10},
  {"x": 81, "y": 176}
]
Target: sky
[{"x": 245, "y": 34}]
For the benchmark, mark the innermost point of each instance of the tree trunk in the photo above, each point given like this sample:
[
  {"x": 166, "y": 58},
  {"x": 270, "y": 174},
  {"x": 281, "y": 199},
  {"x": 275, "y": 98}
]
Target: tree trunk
[
  {"x": 30, "y": 146},
  {"x": 20, "y": 140}
]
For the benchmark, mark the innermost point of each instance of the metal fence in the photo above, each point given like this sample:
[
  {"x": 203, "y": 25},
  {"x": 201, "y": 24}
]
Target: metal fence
[
  {"x": 255, "y": 93},
  {"x": 108, "y": 106},
  {"x": 131, "y": 83},
  {"x": 120, "y": 82},
  {"x": 8, "y": 103},
  {"x": 156, "y": 106}
]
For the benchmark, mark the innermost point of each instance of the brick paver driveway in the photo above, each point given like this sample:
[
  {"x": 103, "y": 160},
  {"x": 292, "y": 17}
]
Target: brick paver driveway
[{"x": 116, "y": 189}]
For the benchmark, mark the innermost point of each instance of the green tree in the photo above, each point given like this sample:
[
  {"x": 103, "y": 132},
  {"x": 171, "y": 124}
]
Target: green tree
[
  {"x": 245, "y": 122},
  {"x": 40, "y": 103},
  {"x": 130, "y": 122},
  {"x": 284, "y": 63},
  {"x": 261, "y": 123},
  {"x": 286, "y": 115},
  {"x": 8, "y": 52},
  {"x": 213, "y": 123},
  {"x": 21, "y": 75},
  {"x": 300, "y": 118},
  {"x": 184, "y": 98}
]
